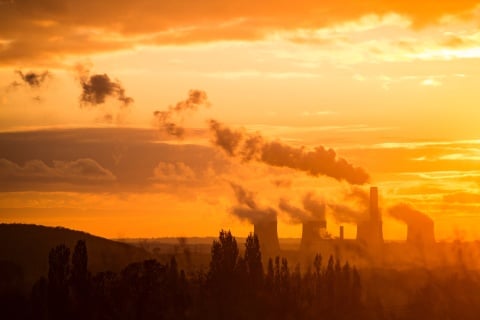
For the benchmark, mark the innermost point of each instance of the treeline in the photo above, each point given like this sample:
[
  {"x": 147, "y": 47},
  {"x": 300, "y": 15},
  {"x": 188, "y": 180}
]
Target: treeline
[{"x": 235, "y": 286}]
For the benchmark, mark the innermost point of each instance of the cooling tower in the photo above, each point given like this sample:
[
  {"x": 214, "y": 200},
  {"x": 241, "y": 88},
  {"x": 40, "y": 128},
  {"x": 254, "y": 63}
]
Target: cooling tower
[
  {"x": 266, "y": 231},
  {"x": 312, "y": 232},
  {"x": 421, "y": 233}
]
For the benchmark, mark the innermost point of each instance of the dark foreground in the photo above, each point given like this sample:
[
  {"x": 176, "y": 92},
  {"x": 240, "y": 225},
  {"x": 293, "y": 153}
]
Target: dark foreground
[{"x": 236, "y": 286}]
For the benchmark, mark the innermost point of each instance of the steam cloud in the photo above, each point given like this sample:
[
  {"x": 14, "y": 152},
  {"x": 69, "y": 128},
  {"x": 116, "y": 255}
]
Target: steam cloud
[
  {"x": 166, "y": 119},
  {"x": 353, "y": 208},
  {"x": 248, "y": 209},
  {"x": 406, "y": 213},
  {"x": 313, "y": 209},
  {"x": 32, "y": 79},
  {"x": 98, "y": 87},
  {"x": 320, "y": 161}
]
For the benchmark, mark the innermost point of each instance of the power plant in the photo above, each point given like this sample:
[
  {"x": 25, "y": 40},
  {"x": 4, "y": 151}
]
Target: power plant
[
  {"x": 368, "y": 244},
  {"x": 266, "y": 231},
  {"x": 370, "y": 232}
]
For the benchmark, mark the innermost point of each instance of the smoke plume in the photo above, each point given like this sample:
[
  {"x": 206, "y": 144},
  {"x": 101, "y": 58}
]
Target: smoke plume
[
  {"x": 98, "y": 87},
  {"x": 248, "y": 209},
  {"x": 406, "y": 213},
  {"x": 167, "y": 120},
  {"x": 32, "y": 79},
  {"x": 313, "y": 209},
  {"x": 315, "y": 206},
  {"x": 320, "y": 161},
  {"x": 352, "y": 208}
]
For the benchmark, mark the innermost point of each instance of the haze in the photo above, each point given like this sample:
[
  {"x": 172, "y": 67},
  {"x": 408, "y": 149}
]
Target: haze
[{"x": 180, "y": 118}]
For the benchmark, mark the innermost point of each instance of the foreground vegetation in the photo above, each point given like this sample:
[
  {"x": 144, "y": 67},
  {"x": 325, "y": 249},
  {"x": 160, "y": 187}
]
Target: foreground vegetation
[{"x": 234, "y": 287}]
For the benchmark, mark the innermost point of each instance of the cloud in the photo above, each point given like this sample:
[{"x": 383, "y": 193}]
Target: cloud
[
  {"x": 98, "y": 87},
  {"x": 462, "y": 197},
  {"x": 32, "y": 79},
  {"x": 80, "y": 171},
  {"x": 50, "y": 30},
  {"x": 168, "y": 120},
  {"x": 407, "y": 213},
  {"x": 173, "y": 172},
  {"x": 319, "y": 161},
  {"x": 313, "y": 209},
  {"x": 352, "y": 207},
  {"x": 247, "y": 207}
]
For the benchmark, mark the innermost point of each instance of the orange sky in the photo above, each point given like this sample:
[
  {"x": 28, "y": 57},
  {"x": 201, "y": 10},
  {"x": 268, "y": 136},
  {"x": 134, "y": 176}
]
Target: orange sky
[{"x": 392, "y": 87}]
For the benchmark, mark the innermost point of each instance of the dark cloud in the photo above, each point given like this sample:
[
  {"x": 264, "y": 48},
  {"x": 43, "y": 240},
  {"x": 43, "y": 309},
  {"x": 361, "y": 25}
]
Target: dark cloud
[
  {"x": 79, "y": 171},
  {"x": 131, "y": 155},
  {"x": 247, "y": 207},
  {"x": 167, "y": 172},
  {"x": 98, "y": 87},
  {"x": 167, "y": 120},
  {"x": 319, "y": 161},
  {"x": 31, "y": 25},
  {"x": 32, "y": 79}
]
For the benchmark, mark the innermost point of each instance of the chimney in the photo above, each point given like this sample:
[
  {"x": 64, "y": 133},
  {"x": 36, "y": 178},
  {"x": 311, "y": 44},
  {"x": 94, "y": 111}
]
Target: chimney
[
  {"x": 369, "y": 232},
  {"x": 266, "y": 231},
  {"x": 341, "y": 233},
  {"x": 374, "y": 213}
]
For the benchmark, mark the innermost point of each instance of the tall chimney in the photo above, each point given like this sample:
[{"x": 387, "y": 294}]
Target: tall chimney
[
  {"x": 370, "y": 232},
  {"x": 266, "y": 231},
  {"x": 374, "y": 212},
  {"x": 341, "y": 233}
]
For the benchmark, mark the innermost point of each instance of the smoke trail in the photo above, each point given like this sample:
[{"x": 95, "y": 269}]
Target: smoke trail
[
  {"x": 313, "y": 209},
  {"x": 297, "y": 215},
  {"x": 248, "y": 209},
  {"x": 320, "y": 161},
  {"x": 315, "y": 206},
  {"x": 166, "y": 120},
  {"x": 406, "y": 213},
  {"x": 352, "y": 208},
  {"x": 32, "y": 79},
  {"x": 98, "y": 87}
]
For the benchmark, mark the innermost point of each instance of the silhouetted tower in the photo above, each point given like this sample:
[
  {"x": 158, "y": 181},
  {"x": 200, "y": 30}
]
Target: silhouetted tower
[
  {"x": 312, "y": 232},
  {"x": 266, "y": 231},
  {"x": 370, "y": 232}
]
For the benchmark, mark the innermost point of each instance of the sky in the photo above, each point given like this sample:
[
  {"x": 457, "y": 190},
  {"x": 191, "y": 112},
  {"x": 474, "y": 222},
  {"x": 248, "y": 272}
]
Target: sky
[{"x": 179, "y": 118}]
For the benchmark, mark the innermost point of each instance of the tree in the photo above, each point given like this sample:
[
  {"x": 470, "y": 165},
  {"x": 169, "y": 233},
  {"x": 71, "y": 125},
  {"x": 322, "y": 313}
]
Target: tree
[
  {"x": 253, "y": 260},
  {"x": 58, "y": 272},
  {"x": 224, "y": 257},
  {"x": 80, "y": 280}
]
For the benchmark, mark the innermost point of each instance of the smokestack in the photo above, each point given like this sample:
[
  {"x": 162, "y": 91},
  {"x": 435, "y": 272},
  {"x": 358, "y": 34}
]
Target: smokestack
[
  {"x": 312, "y": 232},
  {"x": 370, "y": 232},
  {"x": 374, "y": 213},
  {"x": 341, "y": 233},
  {"x": 266, "y": 231}
]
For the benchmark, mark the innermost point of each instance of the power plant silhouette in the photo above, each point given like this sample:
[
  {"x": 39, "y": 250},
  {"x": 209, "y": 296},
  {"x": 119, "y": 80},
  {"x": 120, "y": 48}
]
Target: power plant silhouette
[{"x": 369, "y": 241}]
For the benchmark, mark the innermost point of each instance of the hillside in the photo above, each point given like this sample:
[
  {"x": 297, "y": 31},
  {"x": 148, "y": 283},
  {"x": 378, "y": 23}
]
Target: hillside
[{"x": 27, "y": 247}]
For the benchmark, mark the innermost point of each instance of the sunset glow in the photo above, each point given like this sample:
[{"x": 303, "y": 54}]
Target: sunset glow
[{"x": 111, "y": 113}]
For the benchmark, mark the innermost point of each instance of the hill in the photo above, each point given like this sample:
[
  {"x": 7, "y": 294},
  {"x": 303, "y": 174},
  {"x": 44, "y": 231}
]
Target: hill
[{"x": 24, "y": 250}]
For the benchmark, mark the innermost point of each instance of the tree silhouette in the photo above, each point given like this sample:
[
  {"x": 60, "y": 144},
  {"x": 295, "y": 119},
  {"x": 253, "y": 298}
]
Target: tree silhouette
[
  {"x": 80, "y": 281},
  {"x": 58, "y": 273},
  {"x": 253, "y": 260}
]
